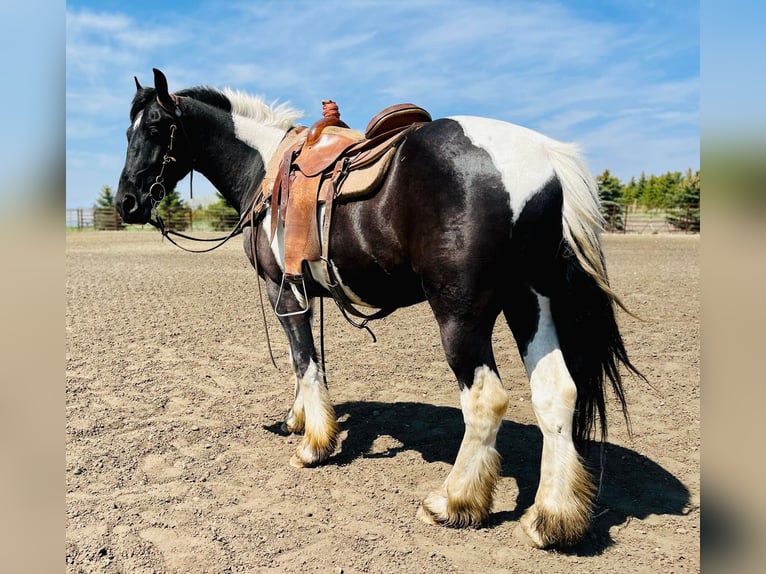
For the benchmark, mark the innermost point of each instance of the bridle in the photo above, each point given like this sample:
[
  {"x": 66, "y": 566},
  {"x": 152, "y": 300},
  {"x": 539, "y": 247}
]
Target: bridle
[
  {"x": 250, "y": 217},
  {"x": 157, "y": 190}
]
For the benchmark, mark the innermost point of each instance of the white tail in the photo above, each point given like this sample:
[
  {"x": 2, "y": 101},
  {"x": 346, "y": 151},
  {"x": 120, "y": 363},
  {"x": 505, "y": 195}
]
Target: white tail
[{"x": 582, "y": 221}]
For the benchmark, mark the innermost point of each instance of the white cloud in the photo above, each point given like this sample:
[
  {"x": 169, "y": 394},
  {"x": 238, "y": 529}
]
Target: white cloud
[{"x": 608, "y": 83}]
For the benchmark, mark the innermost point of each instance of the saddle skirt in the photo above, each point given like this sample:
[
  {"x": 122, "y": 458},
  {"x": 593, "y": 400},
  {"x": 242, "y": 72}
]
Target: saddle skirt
[{"x": 324, "y": 164}]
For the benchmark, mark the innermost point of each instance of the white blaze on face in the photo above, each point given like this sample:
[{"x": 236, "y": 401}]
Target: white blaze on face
[
  {"x": 137, "y": 121},
  {"x": 518, "y": 153}
]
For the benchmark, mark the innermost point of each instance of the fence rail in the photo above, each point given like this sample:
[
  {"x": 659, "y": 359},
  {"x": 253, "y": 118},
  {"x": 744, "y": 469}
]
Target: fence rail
[
  {"x": 684, "y": 219},
  {"x": 618, "y": 220},
  {"x": 107, "y": 218}
]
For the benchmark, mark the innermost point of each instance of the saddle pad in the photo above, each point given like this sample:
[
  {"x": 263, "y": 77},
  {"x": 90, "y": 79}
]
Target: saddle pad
[{"x": 365, "y": 180}]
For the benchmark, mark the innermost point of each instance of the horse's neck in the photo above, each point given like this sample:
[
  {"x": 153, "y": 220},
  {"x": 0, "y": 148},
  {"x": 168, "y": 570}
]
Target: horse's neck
[{"x": 235, "y": 163}]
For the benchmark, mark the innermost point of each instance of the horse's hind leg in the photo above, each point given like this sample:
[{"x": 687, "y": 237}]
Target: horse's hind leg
[
  {"x": 465, "y": 498},
  {"x": 561, "y": 512},
  {"x": 312, "y": 412}
]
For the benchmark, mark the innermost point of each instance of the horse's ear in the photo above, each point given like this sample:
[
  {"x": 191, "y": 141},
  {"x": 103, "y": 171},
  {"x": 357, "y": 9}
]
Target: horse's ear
[
  {"x": 139, "y": 87},
  {"x": 161, "y": 84}
]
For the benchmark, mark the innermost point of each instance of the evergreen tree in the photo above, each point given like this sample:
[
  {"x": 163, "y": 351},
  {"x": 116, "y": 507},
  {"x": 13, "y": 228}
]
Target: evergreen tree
[
  {"x": 641, "y": 187},
  {"x": 106, "y": 199},
  {"x": 222, "y": 214},
  {"x": 105, "y": 216},
  {"x": 610, "y": 192},
  {"x": 630, "y": 193},
  {"x": 685, "y": 202},
  {"x": 174, "y": 211}
]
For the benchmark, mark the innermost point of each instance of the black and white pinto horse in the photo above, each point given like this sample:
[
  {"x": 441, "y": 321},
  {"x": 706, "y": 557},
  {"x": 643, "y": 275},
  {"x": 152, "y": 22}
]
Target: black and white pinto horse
[{"x": 477, "y": 217}]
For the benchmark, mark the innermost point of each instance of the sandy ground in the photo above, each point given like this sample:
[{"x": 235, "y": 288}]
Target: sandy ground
[{"x": 175, "y": 462}]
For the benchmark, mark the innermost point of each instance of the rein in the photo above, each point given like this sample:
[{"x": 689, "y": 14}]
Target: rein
[
  {"x": 251, "y": 217},
  {"x": 157, "y": 189}
]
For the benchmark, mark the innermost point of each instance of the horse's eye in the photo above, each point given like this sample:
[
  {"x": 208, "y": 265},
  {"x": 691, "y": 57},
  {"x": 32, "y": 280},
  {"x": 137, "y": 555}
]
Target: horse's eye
[{"x": 154, "y": 131}]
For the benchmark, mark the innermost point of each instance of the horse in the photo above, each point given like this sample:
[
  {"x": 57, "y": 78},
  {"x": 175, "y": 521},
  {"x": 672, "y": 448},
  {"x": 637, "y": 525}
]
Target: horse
[{"x": 474, "y": 216}]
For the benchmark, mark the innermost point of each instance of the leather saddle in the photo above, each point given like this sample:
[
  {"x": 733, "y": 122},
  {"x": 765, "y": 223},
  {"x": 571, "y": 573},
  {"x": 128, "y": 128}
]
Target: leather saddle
[{"x": 329, "y": 162}]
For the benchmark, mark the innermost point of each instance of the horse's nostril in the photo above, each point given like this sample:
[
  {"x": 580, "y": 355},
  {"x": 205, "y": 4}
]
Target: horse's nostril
[{"x": 129, "y": 204}]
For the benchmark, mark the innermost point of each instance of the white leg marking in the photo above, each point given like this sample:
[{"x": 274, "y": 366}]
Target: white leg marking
[
  {"x": 466, "y": 496},
  {"x": 561, "y": 512},
  {"x": 321, "y": 427},
  {"x": 295, "y": 421}
]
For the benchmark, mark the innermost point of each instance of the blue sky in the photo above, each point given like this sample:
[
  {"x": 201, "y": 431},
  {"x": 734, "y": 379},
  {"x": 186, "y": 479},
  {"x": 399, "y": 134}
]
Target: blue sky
[{"x": 621, "y": 78}]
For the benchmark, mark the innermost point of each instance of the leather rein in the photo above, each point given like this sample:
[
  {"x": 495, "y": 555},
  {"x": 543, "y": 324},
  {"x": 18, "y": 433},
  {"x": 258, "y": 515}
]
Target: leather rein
[
  {"x": 157, "y": 191},
  {"x": 249, "y": 217}
]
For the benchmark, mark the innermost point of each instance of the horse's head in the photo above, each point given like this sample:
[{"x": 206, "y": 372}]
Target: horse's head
[{"x": 158, "y": 152}]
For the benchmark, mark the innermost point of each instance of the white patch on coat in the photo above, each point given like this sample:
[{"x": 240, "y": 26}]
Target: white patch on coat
[
  {"x": 258, "y": 136},
  {"x": 278, "y": 243},
  {"x": 257, "y": 124},
  {"x": 518, "y": 153},
  {"x": 137, "y": 121},
  {"x": 553, "y": 391},
  {"x": 564, "y": 487}
]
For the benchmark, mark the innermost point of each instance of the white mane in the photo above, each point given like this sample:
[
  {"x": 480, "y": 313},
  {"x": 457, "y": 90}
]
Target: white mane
[{"x": 277, "y": 115}]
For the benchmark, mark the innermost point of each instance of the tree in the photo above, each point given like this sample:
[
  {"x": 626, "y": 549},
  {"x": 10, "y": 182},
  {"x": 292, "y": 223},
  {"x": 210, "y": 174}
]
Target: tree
[
  {"x": 630, "y": 193},
  {"x": 610, "y": 192},
  {"x": 685, "y": 203},
  {"x": 222, "y": 214},
  {"x": 174, "y": 211},
  {"x": 105, "y": 216},
  {"x": 106, "y": 199}
]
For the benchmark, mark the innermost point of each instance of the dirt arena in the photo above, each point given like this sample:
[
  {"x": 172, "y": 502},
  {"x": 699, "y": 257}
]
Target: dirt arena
[{"x": 175, "y": 463}]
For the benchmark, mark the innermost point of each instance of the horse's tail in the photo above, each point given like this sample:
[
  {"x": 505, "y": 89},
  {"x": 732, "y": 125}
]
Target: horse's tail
[{"x": 584, "y": 308}]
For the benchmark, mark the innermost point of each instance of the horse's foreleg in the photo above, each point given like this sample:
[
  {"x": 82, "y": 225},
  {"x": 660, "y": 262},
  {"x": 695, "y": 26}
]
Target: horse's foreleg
[
  {"x": 465, "y": 497},
  {"x": 295, "y": 421},
  {"x": 562, "y": 509},
  {"x": 312, "y": 412}
]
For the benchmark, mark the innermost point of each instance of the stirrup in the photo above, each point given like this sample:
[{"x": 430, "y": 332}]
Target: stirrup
[{"x": 279, "y": 296}]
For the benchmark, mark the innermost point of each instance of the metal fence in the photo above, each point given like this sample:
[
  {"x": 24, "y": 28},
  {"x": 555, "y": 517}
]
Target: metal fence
[
  {"x": 79, "y": 218},
  {"x": 107, "y": 218},
  {"x": 618, "y": 220},
  {"x": 685, "y": 219}
]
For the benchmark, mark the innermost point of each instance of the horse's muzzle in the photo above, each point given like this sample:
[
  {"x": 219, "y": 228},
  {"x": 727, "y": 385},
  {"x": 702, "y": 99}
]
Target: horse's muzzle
[{"x": 131, "y": 209}]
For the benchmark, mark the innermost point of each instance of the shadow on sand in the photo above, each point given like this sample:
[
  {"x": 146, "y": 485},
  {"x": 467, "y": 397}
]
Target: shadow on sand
[{"x": 631, "y": 486}]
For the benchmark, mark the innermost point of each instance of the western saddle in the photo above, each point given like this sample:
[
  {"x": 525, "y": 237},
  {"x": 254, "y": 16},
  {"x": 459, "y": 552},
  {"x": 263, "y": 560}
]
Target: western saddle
[{"x": 322, "y": 164}]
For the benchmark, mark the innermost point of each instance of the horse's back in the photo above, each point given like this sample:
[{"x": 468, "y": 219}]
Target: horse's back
[{"x": 513, "y": 155}]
